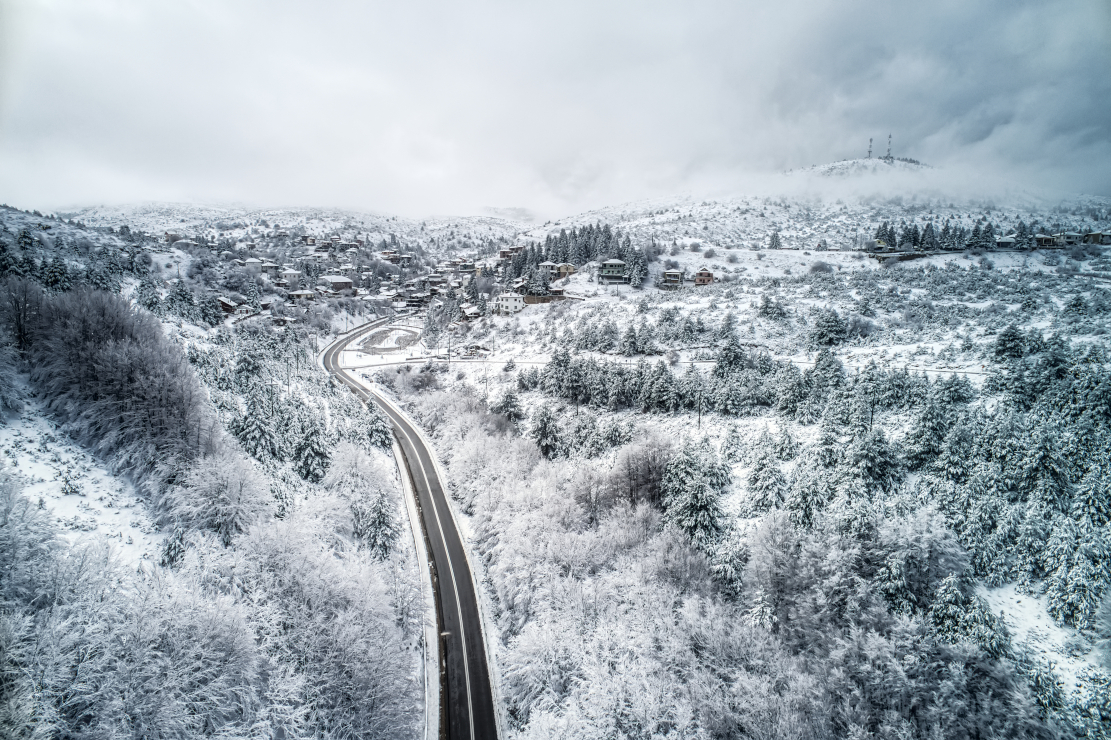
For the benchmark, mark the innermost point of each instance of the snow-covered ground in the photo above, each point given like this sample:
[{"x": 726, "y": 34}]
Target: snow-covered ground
[
  {"x": 88, "y": 501},
  {"x": 1029, "y": 622}
]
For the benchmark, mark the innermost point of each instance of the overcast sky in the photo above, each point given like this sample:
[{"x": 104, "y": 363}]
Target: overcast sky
[{"x": 425, "y": 108}]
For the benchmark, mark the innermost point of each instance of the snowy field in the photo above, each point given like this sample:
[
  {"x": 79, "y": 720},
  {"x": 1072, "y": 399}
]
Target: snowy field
[{"x": 85, "y": 499}]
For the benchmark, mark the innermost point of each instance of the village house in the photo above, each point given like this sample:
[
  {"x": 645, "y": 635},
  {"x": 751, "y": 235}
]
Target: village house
[
  {"x": 227, "y": 305},
  {"x": 672, "y": 279},
  {"x": 1045, "y": 240},
  {"x": 1006, "y": 242},
  {"x": 703, "y": 277},
  {"x": 290, "y": 275},
  {"x": 470, "y": 311},
  {"x": 417, "y": 299},
  {"x": 550, "y": 269},
  {"x": 269, "y": 268},
  {"x": 612, "y": 271},
  {"x": 301, "y": 296},
  {"x": 509, "y": 303},
  {"x": 566, "y": 269},
  {"x": 336, "y": 282}
]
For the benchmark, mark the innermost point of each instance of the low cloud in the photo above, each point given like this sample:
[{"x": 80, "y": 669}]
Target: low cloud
[{"x": 435, "y": 108}]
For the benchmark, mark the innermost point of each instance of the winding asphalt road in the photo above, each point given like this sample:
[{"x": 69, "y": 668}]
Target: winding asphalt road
[{"x": 466, "y": 697}]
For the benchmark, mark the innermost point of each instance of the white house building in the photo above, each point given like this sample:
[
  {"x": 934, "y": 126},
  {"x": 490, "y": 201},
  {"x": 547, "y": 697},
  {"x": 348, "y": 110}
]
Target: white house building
[{"x": 509, "y": 303}]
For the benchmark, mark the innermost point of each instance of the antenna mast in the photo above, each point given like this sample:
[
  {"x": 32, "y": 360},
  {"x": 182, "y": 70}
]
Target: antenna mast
[
  {"x": 869, "y": 147},
  {"x": 889, "y": 147}
]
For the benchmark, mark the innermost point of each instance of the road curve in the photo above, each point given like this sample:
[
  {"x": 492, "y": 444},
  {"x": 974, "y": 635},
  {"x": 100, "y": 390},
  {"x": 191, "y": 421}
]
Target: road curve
[{"x": 466, "y": 696}]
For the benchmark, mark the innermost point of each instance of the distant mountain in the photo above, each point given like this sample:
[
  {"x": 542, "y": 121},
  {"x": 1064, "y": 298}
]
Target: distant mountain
[{"x": 863, "y": 167}]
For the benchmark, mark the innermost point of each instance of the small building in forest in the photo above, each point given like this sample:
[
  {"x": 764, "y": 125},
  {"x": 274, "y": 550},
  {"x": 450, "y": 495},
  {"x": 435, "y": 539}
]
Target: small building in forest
[
  {"x": 703, "y": 277},
  {"x": 672, "y": 279},
  {"x": 612, "y": 271}
]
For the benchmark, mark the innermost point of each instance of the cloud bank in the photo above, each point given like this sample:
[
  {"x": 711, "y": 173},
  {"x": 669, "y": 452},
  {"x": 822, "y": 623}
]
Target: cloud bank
[{"x": 421, "y": 108}]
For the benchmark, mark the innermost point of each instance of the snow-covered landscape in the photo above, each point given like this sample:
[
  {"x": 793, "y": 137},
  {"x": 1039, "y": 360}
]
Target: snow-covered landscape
[
  {"x": 615, "y": 371},
  {"x": 651, "y": 478}
]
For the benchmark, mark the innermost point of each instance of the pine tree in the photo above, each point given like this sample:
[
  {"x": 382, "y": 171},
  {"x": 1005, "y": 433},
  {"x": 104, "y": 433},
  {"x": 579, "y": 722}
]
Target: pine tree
[
  {"x": 248, "y": 370},
  {"x": 774, "y": 241},
  {"x": 926, "y": 438},
  {"x": 1091, "y": 504},
  {"x": 255, "y": 431},
  {"x": 871, "y": 465},
  {"x": 1077, "y": 560},
  {"x": 55, "y": 275},
  {"x": 147, "y": 295},
  {"x": 545, "y": 431},
  {"x": 697, "y": 513},
  {"x": 959, "y": 617},
  {"x": 811, "y": 489},
  {"x": 210, "y": 311},
  {"x": 786, "y": 447},
  {"x": 1010, "y": 344},
  {"x": 731, "y": 357},
  {"x": 509, "y": 406},
  {"x": 732, "y": 448},
  {"x": 310, "y": 455},
  {"x": 1046, "y": 471},
  {"x": 253, "y": 296},
  {"x": 375, "y": 526},
  {"x": 766, "y": 485},
  {"x": 629, "y": 342},
  {"x": 829, "y": 329}
]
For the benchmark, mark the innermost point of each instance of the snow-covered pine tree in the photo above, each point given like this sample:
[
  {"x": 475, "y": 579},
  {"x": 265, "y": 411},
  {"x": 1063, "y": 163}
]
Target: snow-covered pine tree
[
  {"x": 731, "y": 357},
  {"x": 210, "y": 312},
  {"x": 148, "y": 296},
  {"x": 775, "y": 241},
  {"x": 255, "y": 431},
  {"x": 375, "y": 526},
  {"x": 1091, "y": 503},
  {"x": 1076, "y": 559},
  {"x": 545, "y": 431},
  {"x": 926, "y": 438},
  {"x": 871, "y": 465},
  {"x": 732, "y": 447},
  {"x": 310, "y": 455},
  {"x": 253, "y": 296},
  {"x": 766, "y": 485},
  {"x": 956, "y": 616},
  {"x": 509, "y": 406},
  {"x": 697, "y": 513},
  {"x": 248, "y": 370},
  {"x": 1046, "y": 471},
  {"x": 811, "y": 488},
  {"x": 786, "y": 447},
  {"x": 56, "y": 276},
  {"x": 829, "y": 329},
  {"x": 629, "y": 343}
]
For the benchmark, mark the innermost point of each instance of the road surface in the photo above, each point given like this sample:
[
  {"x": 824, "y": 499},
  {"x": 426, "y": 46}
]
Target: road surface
[{"x": 466, "y": 696}]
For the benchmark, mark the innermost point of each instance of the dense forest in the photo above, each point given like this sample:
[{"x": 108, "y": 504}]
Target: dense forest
[{"x": 285, "y": 602}]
